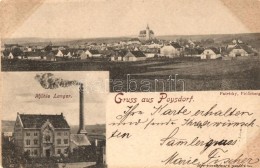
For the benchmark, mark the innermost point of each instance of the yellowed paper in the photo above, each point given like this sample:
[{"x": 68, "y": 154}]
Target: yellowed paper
[
  {"x": 183, "y": 78},
  {"x": 183, "y": 129}
]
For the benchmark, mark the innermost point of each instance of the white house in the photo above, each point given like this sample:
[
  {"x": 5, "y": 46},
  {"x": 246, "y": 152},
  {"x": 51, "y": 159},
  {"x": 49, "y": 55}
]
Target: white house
[
  {"x": 118, "y": 55},
  {"x": 240, "y": 50},
  {"x": 134, "y": 56},
  {"x": 8, "y": 55},
  {"x": 59, "y": 54},
  {"x": 173, "y": 50},
  {"x": 93, "y": 53},
  {"x": 35, "y": 56},
  {"x": 210, "y": 53},
  {"x": 68, "y": 53}
]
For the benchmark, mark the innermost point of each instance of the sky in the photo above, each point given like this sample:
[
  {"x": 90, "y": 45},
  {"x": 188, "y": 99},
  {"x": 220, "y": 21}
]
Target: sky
[
  {"x": 21, "y": 88},
  {"x": 115, "y": 18}
]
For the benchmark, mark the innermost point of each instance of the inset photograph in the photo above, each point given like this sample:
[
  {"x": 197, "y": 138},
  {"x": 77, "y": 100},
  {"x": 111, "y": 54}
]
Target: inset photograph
[{"x": 54, "y": 119}]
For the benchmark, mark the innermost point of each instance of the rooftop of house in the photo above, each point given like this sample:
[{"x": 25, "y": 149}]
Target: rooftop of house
[
  {"x": 241, "y": 46},
  {"x": 94, "y": 51},
  {"x": 79, "y": 139},
  {"x": 138, "y": 53},
  {"x": 176, "y": 45},
  {"x": 37, "y": 120},
  {"x": 215, "y": 50}
]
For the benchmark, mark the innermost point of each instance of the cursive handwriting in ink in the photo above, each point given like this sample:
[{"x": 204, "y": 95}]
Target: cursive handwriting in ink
[{"x": 118, "y": 134}]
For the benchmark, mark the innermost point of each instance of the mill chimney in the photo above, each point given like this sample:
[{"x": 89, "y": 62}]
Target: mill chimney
[{"x": 81, "y": 111}]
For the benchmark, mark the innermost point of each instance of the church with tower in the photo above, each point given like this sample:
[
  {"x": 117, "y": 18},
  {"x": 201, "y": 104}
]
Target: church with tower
[{"x": 146, "y": 35}]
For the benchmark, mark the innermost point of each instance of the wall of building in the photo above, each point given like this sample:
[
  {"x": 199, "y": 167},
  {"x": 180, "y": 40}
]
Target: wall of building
[
  {"x": 169, "y": 51},
  {"x": 62, "y": 141},
  {"x": 209, "y": 54},
  {"x": 238, "y": 52}
]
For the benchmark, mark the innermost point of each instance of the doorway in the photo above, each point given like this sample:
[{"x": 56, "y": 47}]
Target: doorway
[{"x": 48, "y": 153}]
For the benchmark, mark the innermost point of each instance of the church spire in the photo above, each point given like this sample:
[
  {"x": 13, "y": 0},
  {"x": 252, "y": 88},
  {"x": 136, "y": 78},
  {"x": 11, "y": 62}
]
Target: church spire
[{"x": 147, "y": 27}]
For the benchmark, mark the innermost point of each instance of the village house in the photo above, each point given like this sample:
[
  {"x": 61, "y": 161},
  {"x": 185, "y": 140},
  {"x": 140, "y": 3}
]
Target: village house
[
  {"x": 240, "y": 50},
  {"x": 80, "y": 54},
  {"x": 193, "y": 52},
  {"x": 7, "y": 55},
  {"x": 93, "y": 53},
  {"x": 172, "y": 50},
  {"x": 134, "y": 56},
  {"x": 118, "y": 55},
  {"x": 107, "y": 53},
  {"x": 42, "y": 135},
  {"x": 35, "y": 55},
  {"x": 50, "y": 56},
  {"x": 68, "y": 53},
  {"x": 133, "y": 41},
  {"x": 59, "y": 53},
  {"x": 152, "y": 52},
  {"x": 210, "y": 53}
]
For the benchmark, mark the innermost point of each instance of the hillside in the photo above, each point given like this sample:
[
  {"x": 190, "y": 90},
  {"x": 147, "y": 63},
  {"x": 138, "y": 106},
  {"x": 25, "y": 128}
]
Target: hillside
[{"x": 250, "y": 38}]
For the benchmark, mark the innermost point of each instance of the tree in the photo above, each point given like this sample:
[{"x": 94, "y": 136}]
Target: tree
[{"x": 17, "y": 52}]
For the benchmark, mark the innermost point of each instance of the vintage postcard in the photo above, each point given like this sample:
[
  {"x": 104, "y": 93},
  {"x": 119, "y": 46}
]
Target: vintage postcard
[{"x": 130, "y": 83}]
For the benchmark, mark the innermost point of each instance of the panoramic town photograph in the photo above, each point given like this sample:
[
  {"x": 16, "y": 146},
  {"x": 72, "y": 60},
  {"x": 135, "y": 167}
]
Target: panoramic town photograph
[
  {"x": 55, "y": 121},
  {"x": 147, "y": 46}
]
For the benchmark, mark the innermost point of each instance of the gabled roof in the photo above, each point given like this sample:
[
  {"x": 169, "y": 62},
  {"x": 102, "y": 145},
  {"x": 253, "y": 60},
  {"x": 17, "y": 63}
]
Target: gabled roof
[
  {"x": 120, "y": 52},
  {"x": 215, "y": 50},
  {"x": 67, "y": 51},
  {"x": 79, "y": 139},
  {"x": 107, "y": 52},
  {"x": 138, "y": 53},
  {"x": 37, "y": 120},
  {"x": 176, "y": 45},
  {"x": 94, "y": 51},
  {"x": 6, "y": 53},
  {"x": 34, "y": 54},
  {"x": 241, "y": 46},
  {"x": 246, "y": 48}
]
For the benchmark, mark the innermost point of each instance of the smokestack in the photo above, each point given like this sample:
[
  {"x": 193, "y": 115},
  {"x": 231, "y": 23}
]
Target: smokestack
[{"x": 81, "y": 111}]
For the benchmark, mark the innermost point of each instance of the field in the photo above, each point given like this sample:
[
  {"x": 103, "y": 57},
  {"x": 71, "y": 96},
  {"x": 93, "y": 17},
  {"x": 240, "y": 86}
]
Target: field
[{"x": 198, "y": 74}]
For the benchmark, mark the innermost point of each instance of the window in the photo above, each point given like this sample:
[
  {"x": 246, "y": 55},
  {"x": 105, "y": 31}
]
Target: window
[
  {"x": 58, "y": 134},
  {"x": 65, "y": 133},
  {"x": 66, "y": 141},
  {"x": 27, "y": 133},
  {"x": 47, "y": 138},
  {"x": 28, "y": 142},
  {"x": 35, "y": 142},
  {"x": 58, "y": 141},
  {"x": 35, "y": 152},
  {"x": 36, "y": 134},
  {"x": 58, "y": 151}
]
